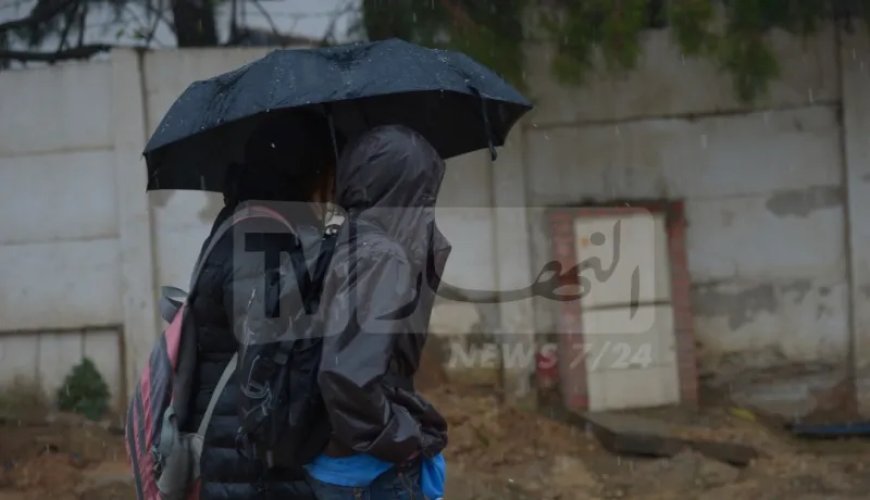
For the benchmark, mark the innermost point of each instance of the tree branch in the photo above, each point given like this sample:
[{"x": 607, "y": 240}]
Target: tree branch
[
  {"x": 70, "y": 19},
  {"x": 153, "y": 29},
  {"x": 37, "y": 16},
  {"x": 82, "y": 18},
  {"x": 329, "y": 34},
  {"x": 268, "y": 17},
  {"x": 82, "y": 52},
  {"x": 158, "y": 11}
]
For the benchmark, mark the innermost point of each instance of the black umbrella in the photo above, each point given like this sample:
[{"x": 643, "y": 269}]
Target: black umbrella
[{"x": 458, "y": 104}]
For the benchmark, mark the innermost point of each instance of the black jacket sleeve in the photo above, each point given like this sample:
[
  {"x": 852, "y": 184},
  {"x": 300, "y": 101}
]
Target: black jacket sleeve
[{"x": 358, "y": 347}]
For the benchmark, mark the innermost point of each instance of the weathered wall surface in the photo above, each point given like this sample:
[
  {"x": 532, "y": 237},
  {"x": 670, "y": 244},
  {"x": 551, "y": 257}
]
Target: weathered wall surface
[
  {"x": 59, "y": 239},
  {"x": 855, "y": 60},
  {"x": 763, "y": 187}
]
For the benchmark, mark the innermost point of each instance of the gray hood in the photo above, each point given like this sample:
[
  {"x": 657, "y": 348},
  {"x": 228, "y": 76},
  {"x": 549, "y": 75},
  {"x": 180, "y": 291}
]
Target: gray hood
[{"x": 390, "y": 177}]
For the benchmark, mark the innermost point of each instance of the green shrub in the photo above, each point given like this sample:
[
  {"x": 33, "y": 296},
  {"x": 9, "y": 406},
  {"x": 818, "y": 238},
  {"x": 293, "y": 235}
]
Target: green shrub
[{"x": 84, "y": 391}]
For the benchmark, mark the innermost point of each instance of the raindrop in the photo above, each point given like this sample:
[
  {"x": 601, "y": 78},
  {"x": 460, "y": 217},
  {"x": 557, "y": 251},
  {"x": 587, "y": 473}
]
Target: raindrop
[
  {"x": 616, "y": 131},
  {"x": 766, "y": 116},
  {"x": 810, "y": 95},
  {"x": 272, "y": 145},
  {"x": 704, "y": 141},
  {"x": 547, "y": 136},
  {"x": 414, "y": 18},
  {"x": 854, "y": 56}
]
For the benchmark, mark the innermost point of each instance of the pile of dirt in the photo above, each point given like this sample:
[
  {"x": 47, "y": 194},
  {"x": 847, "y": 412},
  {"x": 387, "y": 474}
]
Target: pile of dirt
[
  {"x": 511, "y": 453},
  {"x": 496, "y": 452},
  {"x": 63, "y": 457}
]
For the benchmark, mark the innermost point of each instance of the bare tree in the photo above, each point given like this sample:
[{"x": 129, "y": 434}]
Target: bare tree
[
  {"x": 193, "y": 22},
  {"x": 50, "y": 15}
]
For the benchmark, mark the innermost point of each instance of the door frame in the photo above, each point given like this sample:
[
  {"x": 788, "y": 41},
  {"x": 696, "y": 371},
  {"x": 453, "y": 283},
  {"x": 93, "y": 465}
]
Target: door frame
[{"x": 572, "y": 375}]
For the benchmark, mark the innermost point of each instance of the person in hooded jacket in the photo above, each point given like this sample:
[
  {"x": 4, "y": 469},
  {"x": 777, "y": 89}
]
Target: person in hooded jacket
[
  {"x": 377, "y": 299},
  {"x": 228, "y": 278}
]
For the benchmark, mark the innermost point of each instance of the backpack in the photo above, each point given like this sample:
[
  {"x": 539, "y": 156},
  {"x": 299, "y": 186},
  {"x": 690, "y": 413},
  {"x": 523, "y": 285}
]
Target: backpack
[
  {"x": 284, "y": 420},
  {"x": 164, "y": 460}
]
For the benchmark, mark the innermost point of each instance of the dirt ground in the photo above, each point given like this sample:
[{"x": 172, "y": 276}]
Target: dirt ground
[{"x": 495, "y": 452}]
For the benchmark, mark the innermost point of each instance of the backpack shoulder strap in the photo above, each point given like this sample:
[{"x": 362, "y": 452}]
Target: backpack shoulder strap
[{"x": 218, "y": 390}]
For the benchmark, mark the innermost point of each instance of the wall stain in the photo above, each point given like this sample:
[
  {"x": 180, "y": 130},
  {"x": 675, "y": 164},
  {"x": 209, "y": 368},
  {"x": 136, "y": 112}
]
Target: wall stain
[
  {"x": 161, "y": 197},
  {"x": 740, "y": 307},
  {"x": 798, "y": 125},
  {"x": 824, "y": 291},
  {"x": 801, "y": 202},
  {"x": 823, "y": 311},
  {"x": 799, "y": 287}
]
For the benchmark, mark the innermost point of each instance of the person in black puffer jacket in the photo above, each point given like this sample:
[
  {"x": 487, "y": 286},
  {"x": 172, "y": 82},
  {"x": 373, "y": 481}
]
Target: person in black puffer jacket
[{"x": 226, "y": 474}]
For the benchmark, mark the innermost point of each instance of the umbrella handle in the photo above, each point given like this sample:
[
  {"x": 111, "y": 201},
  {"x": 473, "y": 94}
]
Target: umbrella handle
[{"x": 487, "y": 129}]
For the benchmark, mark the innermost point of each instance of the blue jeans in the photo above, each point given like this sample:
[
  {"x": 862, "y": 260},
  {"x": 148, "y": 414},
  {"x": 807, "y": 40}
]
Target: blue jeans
[{"x": 398, "y": 483}]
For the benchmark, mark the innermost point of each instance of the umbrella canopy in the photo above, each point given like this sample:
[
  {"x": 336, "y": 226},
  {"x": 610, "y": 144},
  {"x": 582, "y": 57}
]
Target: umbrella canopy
[{"x": 458, "y": 104}]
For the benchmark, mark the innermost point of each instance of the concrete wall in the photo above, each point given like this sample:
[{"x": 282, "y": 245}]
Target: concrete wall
[
  {"x": 855, "y": 61},
  {"x": 83, "y": 249},
  {"x": 59, "y": 238},
  {"x": 764, "y": 189}
]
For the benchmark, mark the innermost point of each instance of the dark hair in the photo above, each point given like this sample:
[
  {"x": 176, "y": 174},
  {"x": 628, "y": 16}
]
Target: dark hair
[{"x": 284, "y": 158}]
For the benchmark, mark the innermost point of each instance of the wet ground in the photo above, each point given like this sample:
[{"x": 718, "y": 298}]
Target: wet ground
[{"x": 495, "y": 452}]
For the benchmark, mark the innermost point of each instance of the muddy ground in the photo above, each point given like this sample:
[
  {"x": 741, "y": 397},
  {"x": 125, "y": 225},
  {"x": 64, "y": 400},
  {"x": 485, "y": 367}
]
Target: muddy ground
[{"x": 495, "y": 452}]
